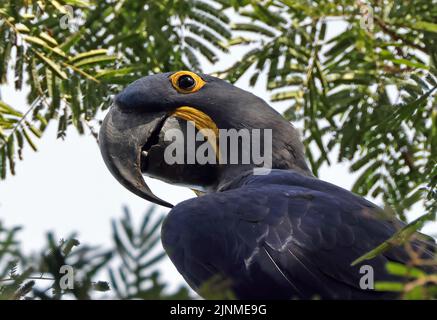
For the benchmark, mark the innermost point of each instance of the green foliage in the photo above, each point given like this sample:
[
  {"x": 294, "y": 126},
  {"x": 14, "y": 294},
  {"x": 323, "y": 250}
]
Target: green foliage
[
  {"x": 368, "y": 93},
  {"x": 418, "y": 277},
  {"x": 136, "y": 248},
  {"x": 86, "y": 262},
  {"x": 399, "y": 238},
  {"x": 40, "y": 277},
  {"x": 365, "y": 95},
  {"x": 24, "y": 277},
  {"x": 73, "y": 55},
  {"x": 217, "y": 288},
  {"x": 418, "y": 285},
  {"x": 9, "y": 255}
]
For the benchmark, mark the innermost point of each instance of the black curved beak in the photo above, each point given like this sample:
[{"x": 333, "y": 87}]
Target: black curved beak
[{"x": 122, "y": 139}]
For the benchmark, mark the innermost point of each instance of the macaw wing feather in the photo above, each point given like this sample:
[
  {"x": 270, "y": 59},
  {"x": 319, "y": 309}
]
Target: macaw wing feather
[{"x": 292, "y": 237}]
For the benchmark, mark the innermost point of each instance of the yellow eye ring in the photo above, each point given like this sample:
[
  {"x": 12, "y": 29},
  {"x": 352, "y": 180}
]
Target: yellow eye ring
[{"x": 186, "y": 76}]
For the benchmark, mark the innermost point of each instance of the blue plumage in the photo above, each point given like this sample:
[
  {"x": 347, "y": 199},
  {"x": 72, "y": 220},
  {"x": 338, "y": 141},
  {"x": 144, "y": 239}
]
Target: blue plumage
[{"x": 281, "y": 236}]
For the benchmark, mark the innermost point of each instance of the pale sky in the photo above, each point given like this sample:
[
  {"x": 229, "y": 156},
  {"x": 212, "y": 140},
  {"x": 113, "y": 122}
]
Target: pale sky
[{"x": 66, "y": 187}]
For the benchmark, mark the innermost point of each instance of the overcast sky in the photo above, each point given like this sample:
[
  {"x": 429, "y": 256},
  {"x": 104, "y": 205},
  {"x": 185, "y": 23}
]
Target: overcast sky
[{"x": 66, "y": 187}]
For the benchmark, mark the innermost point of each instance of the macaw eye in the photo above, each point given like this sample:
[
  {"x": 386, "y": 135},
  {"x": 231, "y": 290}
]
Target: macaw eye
[{"x": 186, "y": 81}]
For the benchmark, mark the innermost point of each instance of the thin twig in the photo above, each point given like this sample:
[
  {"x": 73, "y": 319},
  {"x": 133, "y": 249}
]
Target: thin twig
[
  {"x": 18, "y": 124},
  {"x": 28, "y": 278},
  {"x": 420, "y": 282}
]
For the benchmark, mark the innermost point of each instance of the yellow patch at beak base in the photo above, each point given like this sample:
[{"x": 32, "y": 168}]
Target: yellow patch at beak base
[{"x": 203, "y": 123}]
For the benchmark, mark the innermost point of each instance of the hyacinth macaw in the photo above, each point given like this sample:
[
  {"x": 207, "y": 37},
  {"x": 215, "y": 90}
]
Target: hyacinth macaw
[{"x": 283, "y": 234}]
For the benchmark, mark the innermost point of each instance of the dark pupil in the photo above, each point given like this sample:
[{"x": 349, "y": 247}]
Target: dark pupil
[{"x": 186, "y": 82}]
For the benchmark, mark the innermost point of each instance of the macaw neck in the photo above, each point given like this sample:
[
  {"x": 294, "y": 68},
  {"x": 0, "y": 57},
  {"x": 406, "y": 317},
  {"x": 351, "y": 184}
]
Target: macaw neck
[
  {"x": 285, "y": 156},
  {"x": 232, "y": 180},
  {"x": 227, "y": 174},
  {"x": 231, "y": 177},
  {"x": 286, "y": 152}
]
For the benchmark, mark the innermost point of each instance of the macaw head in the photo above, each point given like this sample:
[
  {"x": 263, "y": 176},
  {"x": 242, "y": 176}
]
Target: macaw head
[{"x": 172, "y": 126}]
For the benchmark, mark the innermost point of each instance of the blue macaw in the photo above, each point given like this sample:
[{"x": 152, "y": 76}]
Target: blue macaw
[{"x": 282, "y": 234}]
